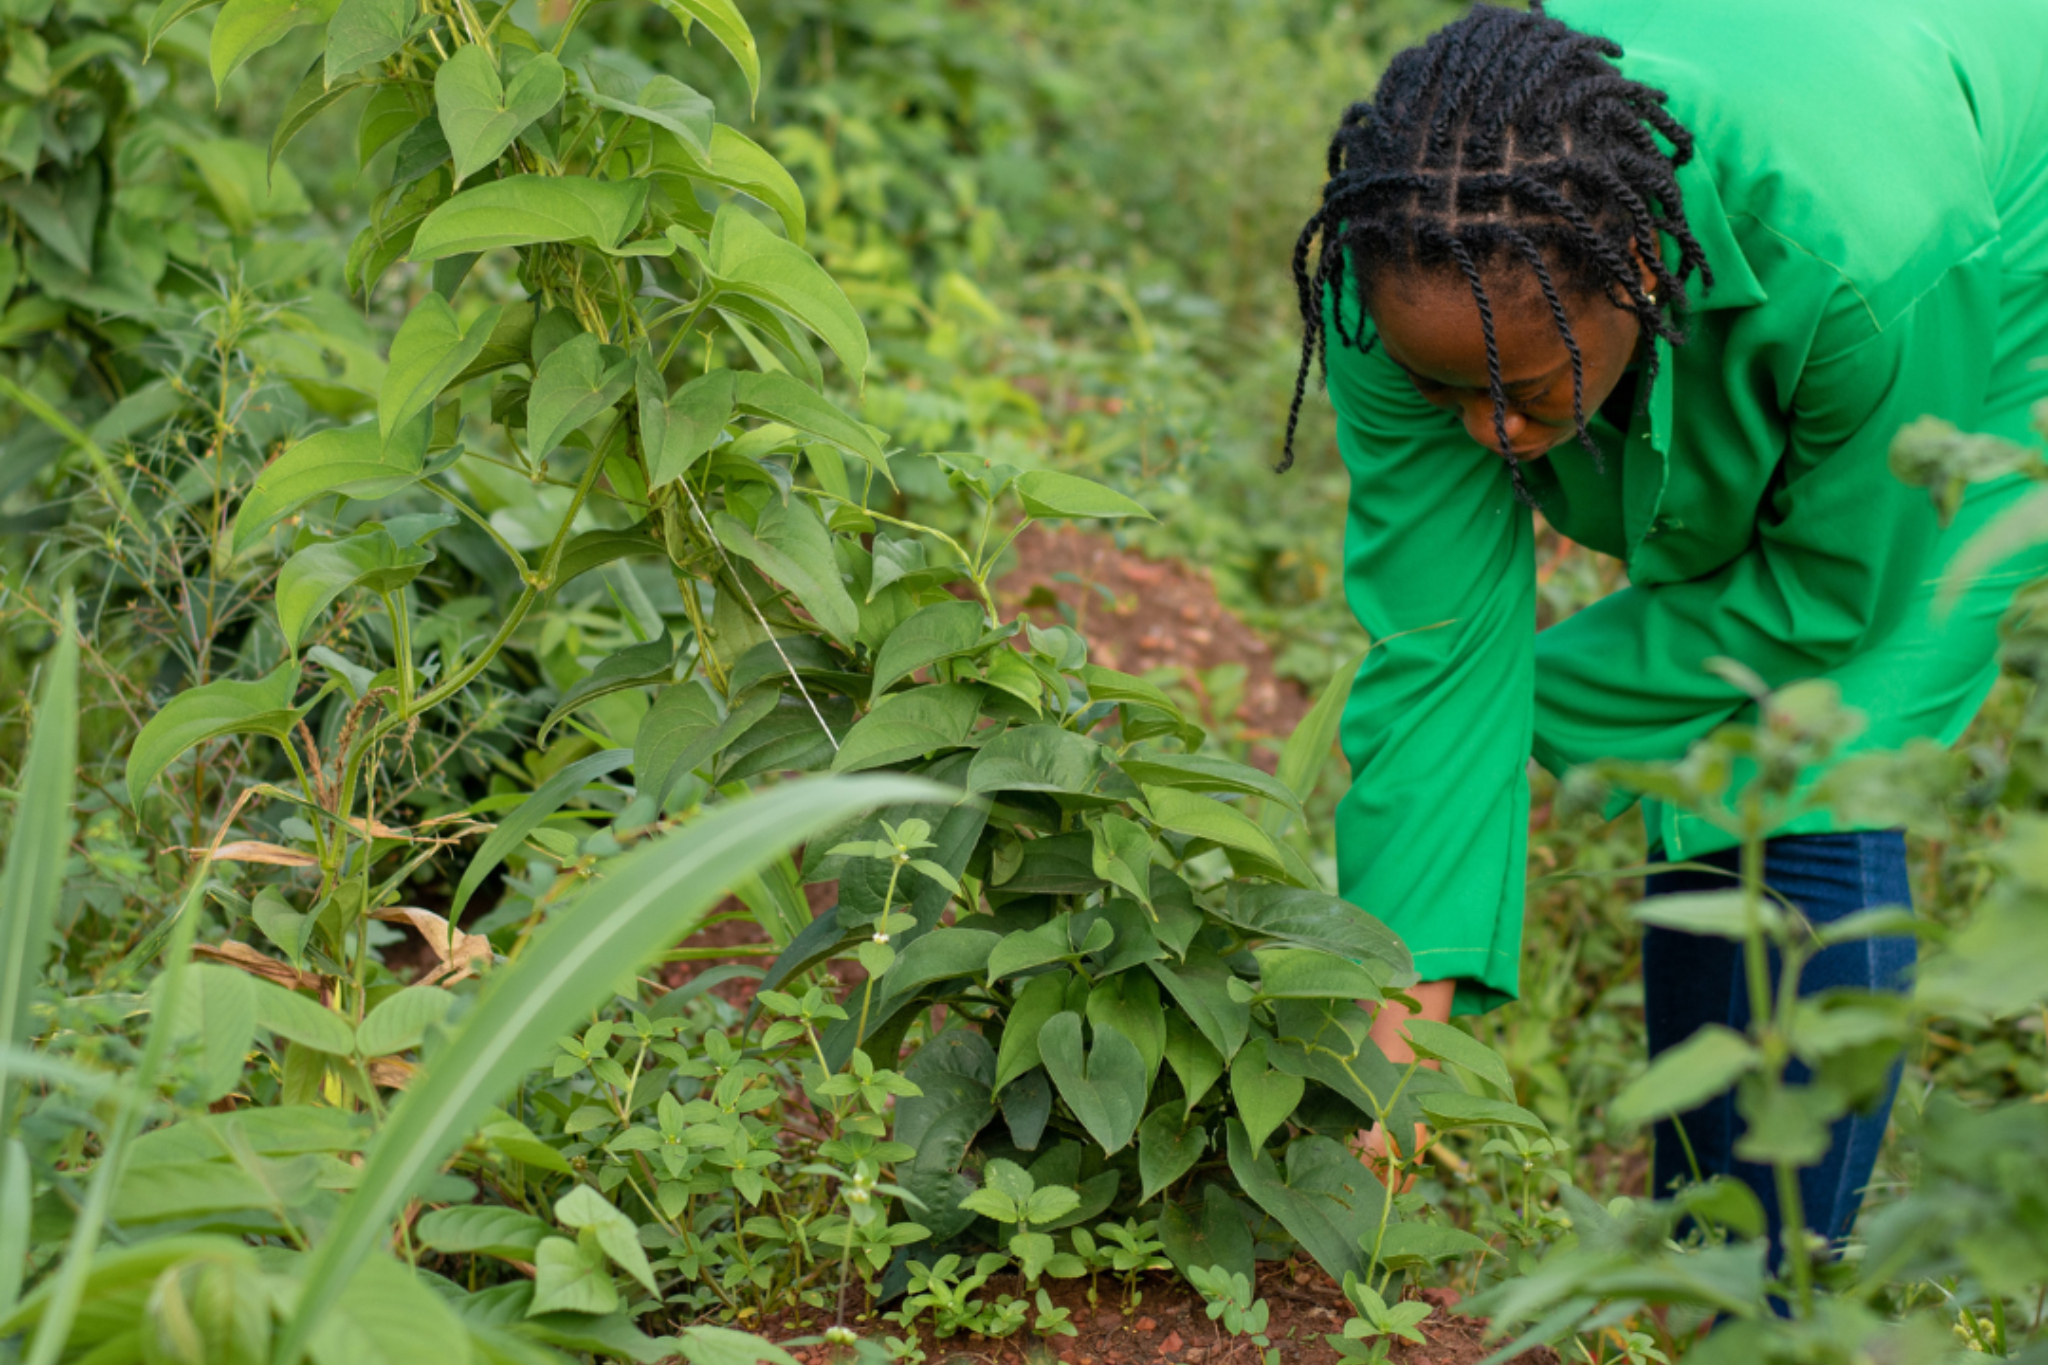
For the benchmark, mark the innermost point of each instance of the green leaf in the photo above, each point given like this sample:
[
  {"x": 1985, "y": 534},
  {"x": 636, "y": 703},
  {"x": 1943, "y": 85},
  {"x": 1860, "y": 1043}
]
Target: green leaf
[
  {"x": 721, "y": 19},
  {"x": 1307, "y": 751},
  {"x": 32, "y": 880},
  {"x": 245, "y": 187},
  {"x": 1105, "y": 1087},
  {"x": 1454, "y": 1109},
  {"x": 1410, "y": 1246},
  {"x": 572, "y": 1276},
  {"x": 1311, "y": 974},
  {"x": 1034, "y": 758},
  {"x": 738, "y": 163},
  {"x": 1193, "y": 1058},
  {"x": 480, "y": 114},
  {"x": 724, "y": 1346},
  {"x": 1329, "y": 1200},
  {"x": 690, "y": 423},
  {"x": 679, "y": 731},
  {"x": 649, "y": 898},
  {"x": 580, "y": 378},
  {"x": 1313, "y": 919},
  {"x": 166, "y": 15},
  {"x": 641, "y": 665},
  {"x": 1022, "y": 950},
  {"x": 521, "y": 210},
  {"x": 545, "y": 801},
  {"x": 907, "y": 725},
  {"x": 244, "y": 28},
  {"x": 1049, "y": 493},
  {"x": 387, "y": 114},
  {"x": 352, "y": 462},
  {"x": 664, "y": 102},
  {"x": 313, "y": 96},
  {"x": 1203, "y": 773},
  {"x": 16, "y": 1215},
  {"x": 778, "y": 398},
  {"x": 311, "y": 579},
  {"x": 791, "y": 545},
  {"x": 584, "y": 1208},
  {"x": 1123, "y": 855},
  {"x": 218, "y": 1009},
  {"x": 1167, "y": 1147},
  {"x": 944, "y": 630},
  {"x": 1041, "y": 998},
  {"x": 595, "y": 549},
  {"x": 1129, "y": 1003},
  {"x": 1448, "y": 1043},
  {"x": 400, "y": 1022},
  {"x": 1265, "y": 1097},
  {"x": 1200, "y": 986},
  {"x": 1716, "y": 914},
  {"x": 293, "y": 1017},
  {"x": 749, "y": 259},
  {"x": 1212, "y": 1235},
  {"x": 482, "y": 1230},
  {"x": 225, "y": 707},
  {"x": 1203, "y": 818},
  {"x": 951, "y": 1073},
  {"x": 1681, "y": 1079},
  {"x": 431, "y": 348},
  {"x": 365, "y": 31}
]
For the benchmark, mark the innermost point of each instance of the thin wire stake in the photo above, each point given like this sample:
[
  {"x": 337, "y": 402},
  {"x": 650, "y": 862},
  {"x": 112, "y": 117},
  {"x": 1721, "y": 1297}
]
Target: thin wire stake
[{"x": 730, "y": 568}]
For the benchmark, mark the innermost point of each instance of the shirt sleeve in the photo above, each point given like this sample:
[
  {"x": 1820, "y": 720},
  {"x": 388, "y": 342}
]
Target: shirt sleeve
[
  {"x": 1439, "y": 565},
  {"x": 1840, "y": 546}
]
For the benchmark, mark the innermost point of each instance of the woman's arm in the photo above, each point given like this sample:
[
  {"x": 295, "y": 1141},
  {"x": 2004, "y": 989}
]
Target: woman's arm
[{"x": 1440, "y": 569}]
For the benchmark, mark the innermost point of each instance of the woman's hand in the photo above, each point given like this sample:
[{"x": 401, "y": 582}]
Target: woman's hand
[{"x": 1389, "y": 1031}]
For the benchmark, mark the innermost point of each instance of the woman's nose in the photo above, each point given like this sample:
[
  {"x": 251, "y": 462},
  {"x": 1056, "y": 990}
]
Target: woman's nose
[{"x": 1478, "y": 416}]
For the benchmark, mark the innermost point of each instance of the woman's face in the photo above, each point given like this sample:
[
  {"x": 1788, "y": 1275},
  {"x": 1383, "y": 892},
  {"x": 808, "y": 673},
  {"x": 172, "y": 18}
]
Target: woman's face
[{"x": 1429, "y": 326}]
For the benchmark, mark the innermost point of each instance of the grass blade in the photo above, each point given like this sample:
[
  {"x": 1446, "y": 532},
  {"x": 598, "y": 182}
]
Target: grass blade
[
  {"x": 34, "y": 873},
  {"x": 651, "y": 898}
]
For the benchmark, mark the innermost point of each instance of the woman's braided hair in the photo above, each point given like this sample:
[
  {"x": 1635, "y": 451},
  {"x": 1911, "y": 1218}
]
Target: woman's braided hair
[{"x": 1508, "y": 136}]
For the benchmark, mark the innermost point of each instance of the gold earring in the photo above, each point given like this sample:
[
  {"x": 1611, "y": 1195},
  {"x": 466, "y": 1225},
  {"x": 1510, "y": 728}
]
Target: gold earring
[{"x": 1651, "y": 295}]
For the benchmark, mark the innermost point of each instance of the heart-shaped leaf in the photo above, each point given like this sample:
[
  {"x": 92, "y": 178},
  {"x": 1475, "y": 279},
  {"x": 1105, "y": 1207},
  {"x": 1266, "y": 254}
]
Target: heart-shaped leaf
[
  {"x": 311, "y": 579},
  {"x": 480, "y": 114},
  {"x": 1104, "y": 1087},
  {"x": 1166, "y": 1148},
  {"x": 244, "y": 28},
  {"x": 226, "y": 707},
  {"x": 944, "y": 630},
  {"x": 664, "y": 102},
  {"x": 365, "y": 31},
  {"x": 578, "y": 380},
  {"x": 355, "y": 462},
  {"x": 431, "y": 348},
  {"x": 676, "y": 432},
  {"x": 1264, "y": 1097},
  {"x": 748, "y": 258},
  {"x": 523, "y": 209},
  {"x": 791, "y": 545}
]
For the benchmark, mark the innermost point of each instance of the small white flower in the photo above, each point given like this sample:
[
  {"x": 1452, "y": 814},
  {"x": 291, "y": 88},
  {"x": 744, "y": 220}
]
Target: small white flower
[{"x": 880, "y": 937}]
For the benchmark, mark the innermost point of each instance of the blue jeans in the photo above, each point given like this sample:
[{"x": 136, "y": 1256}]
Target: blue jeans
[{"x": 1689, "y": 981}]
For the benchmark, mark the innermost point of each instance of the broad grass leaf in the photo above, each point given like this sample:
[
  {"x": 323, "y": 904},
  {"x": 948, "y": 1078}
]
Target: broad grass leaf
[
  {"x": 354, "y": 462},
  {"x": 778, "y": 398},
  {"x": 721, "y": 19},
  {"x": 547, "y": 798},
  {"x": 1455, "y": 1109},
  {"x": 521, "y": 210},
  {"x": 1707, "y": 1064},
  {"x": 909, "y": 725},
  {"x": 400, "y": 1022},
  {"x": 1167, "y": 1147},
  {"x": 244, "y": 28},
  {"x": 579, "y": 379},
  {"x": 311, "y": 579},
  {"x": 1202, "y": 818},
  {"x": 1050, "y": 493},
  {"x": 1329, "y": 1200},
  {"x": 17, "y": 1197},
  {"x": 648, "y": 899},
  {"x": 32, "y": 879},
  {"x": 480, "y": 114},
  {"x": 225, "y": 707},
  {"x": 944, "y": 630},
  {"x": 1104, "y": 1085},
  {"x": 1448, "y": 1043},
  {"x": 748, "y": 258},
  {"x": 1264, "y": 1097},
  {"x": 306, "y": 1022},
  {"x": 431, "y": 348},
  {"x": 664, "y": 102},
  {"x": 365, "y": 31},
  {"x": 482, "y": 1230},
  {"x": 1034, "y": 758},
  {"x": 789, "y": 544}
]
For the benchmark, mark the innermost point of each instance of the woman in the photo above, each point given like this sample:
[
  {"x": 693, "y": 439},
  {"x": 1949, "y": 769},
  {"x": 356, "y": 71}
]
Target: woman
[{"x": 1673, "y": 274}]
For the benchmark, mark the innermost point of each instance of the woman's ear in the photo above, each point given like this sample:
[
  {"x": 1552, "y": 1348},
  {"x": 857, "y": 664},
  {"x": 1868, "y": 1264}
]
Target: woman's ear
[{"x": 1648, "y": 275}]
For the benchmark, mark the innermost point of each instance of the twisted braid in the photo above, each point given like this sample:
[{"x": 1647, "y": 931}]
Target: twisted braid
[{"x": 1507, "y": 139}]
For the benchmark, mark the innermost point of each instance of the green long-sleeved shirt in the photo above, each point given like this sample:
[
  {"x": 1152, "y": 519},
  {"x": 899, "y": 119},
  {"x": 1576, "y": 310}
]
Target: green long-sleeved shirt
[{"x": 1870, "y": 187}]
